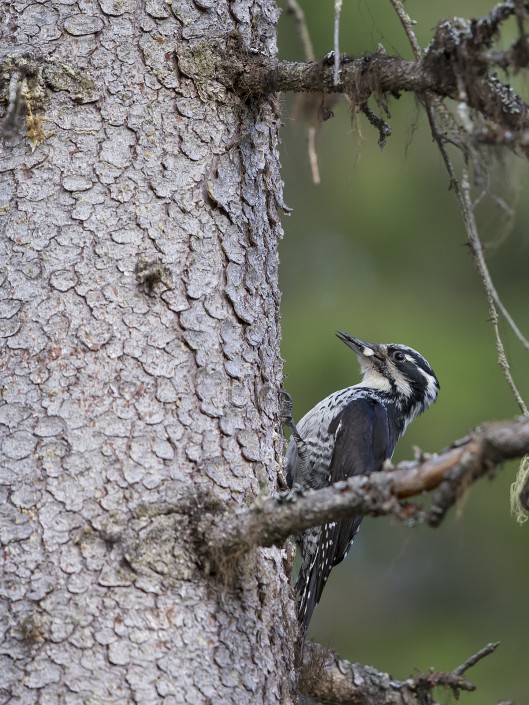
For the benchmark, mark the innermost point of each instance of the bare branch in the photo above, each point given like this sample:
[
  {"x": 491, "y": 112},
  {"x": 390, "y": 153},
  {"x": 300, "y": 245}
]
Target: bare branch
[
  {"x": 337, "y": 13},
  {"x": 476, "y": 37},
  {"x": 331, "y": 680},
  {"x": 375, "y": 73},
  {"x": 455, "y": 65},
  {"x": 472, "y": 660},
  {"x": 313, "y": 154},
  {"x": 407, "y": 24},
  {"x": 270, "y": 521},
  {"x": 384, "y": 130},
  {"x": 295, "y": 9},
  {"x": 463, "y": 190},
  {"x": 307, "y": 106}
]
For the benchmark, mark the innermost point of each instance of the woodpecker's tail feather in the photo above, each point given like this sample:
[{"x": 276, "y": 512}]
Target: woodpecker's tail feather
[
  {"x": 333, "y": 543},
  {"x": 312, "y": 578},
  {"x": 306, "y": 589}
]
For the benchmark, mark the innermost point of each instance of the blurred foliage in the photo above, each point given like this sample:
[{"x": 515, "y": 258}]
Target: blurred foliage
[{"x": 378, "y": 250}]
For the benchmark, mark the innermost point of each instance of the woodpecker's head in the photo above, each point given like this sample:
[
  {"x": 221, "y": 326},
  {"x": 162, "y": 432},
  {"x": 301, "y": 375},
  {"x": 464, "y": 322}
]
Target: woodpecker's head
[{"x": 396, "y": 370}]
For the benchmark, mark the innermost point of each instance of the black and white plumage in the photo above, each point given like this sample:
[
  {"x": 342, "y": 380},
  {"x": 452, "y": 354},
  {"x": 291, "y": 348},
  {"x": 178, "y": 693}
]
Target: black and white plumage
[{"x": 352, "y": 432}]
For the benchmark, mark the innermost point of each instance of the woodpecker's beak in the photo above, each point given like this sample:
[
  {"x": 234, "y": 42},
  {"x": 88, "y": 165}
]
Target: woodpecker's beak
[{"x": 362, "y": 349}]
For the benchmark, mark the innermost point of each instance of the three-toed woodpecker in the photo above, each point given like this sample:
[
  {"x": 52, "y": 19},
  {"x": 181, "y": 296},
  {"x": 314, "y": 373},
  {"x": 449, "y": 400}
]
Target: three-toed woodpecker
[{"x": 352, "y": 432}]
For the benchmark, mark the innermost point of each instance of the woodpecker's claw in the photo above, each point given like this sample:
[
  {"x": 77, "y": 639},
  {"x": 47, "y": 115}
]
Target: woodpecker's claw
[
  {"x": 286, "y": 406},
  {"x": 290, "y": 495},
  {"x": 286, "y": 417}
]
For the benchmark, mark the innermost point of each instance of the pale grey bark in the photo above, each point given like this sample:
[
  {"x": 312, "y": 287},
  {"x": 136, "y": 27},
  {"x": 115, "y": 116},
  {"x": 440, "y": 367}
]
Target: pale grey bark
[{"x": 122, "y": 397}]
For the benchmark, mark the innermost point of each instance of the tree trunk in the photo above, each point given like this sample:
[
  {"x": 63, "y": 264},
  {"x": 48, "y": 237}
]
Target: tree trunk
[{"x": 140, "y": 355}]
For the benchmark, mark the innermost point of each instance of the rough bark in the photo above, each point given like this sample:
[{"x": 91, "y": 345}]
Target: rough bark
[{"x": 140, "y": 355}]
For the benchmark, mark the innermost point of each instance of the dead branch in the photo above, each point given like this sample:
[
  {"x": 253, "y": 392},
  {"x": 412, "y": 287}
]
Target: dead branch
[
  {"x": 336, "y": 50},
  {"x": 295, "y": 9},
  {"x": 483, "y": 32},
  {"x": 372, "y": 74},
  {"x": 331, "y": 680},
  {"x": 455, "y": 65},
  {"x": 407, "y": 25},
  {"x": 261, "y": 75},
  {"x": 271, "y": 520},
  {"x": 309, "y": 105},
  {"x": 474, "y": 242}
]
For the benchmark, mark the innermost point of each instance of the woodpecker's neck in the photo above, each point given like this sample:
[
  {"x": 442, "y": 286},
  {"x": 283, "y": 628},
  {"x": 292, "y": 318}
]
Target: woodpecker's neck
[
  {"x": 408, "y": 408},
  {"x": 402, "y": 408}
]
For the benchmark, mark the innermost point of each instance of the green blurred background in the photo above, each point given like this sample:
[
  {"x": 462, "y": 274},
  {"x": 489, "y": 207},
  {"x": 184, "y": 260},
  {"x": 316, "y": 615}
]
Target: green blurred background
[{"x": 378, "y": 249}]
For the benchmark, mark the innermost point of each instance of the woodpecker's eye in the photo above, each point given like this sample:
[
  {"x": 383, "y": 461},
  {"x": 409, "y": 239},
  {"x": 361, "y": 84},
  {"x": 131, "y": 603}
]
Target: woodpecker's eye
[{"x": 399, "y": 356}]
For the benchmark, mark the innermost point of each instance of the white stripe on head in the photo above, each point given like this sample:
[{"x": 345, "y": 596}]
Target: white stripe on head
[
  {"x": 432, "y": 388},
  {"x": 401, "y": 383}
]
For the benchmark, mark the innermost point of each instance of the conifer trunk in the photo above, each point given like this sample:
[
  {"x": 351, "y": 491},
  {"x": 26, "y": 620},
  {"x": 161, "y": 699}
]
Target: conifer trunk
[{"x": 140, "y": 356}]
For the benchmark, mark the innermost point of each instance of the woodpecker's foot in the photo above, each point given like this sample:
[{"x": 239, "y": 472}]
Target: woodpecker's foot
[
  {"x": 286, "y": 416},
  {"x": 286, "y": 406},
  {"x": 291, "y": 495},
  {"x": 282, "y": 484}
]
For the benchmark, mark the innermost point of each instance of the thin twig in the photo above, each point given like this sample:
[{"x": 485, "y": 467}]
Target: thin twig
[
  {"x": 384, "y": 130},
  {"x": 485, "y": 651},
  {"x": 299, "y": 16},
  {"x": 477, "y": 250},
  {"x": 407, "y": 24},
  {"x": 313, "y": 154},
  {"x": 337, "y": 12},
  {"x": 462, "y": 189},
  {"x": 463, "y": 192},
  {"x": 308, "y": 49}
]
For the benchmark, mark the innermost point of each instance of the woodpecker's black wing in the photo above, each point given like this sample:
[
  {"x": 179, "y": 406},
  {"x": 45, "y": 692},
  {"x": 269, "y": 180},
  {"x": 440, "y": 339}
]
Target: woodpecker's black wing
[{"x": 364, "y": 437}]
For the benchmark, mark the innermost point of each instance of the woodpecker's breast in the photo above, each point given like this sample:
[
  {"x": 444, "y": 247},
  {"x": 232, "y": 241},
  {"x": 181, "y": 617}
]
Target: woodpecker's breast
[{"x": 311, "y": 471}]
